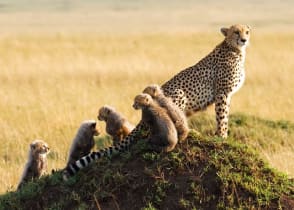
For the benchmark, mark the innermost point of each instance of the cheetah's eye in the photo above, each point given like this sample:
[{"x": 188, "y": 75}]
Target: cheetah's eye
[
  {"x": 247, "y": 32},
  {"x": 236, "y": 32}
]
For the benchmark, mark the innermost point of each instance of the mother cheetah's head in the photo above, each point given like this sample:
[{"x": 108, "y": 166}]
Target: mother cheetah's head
[{"x": 237, "y": 35}]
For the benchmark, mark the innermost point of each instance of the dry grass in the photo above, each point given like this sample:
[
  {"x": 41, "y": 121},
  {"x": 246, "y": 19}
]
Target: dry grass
[{"x": 50, "y": 83}]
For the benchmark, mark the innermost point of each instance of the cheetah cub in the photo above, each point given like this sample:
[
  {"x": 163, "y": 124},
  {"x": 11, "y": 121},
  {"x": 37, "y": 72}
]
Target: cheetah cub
[
  {"x": 163, "y": 134},
  {"x": 117, "y": 126},
  {"x": 36, "y": 165},
  {"x": 176, "y": 114},
  {"x": 83, "y": 141}
]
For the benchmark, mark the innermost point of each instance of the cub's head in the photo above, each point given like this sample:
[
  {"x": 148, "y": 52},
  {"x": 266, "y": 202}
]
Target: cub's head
[
  {"x": 141, "y": 101},
  {"x": 104, "y": 112},
  {"x": 88, "y": 128},
  {"x": 39, "y": 148},
  {"x": 153, "y": 90},
  {"x": 237, "y": 36}
]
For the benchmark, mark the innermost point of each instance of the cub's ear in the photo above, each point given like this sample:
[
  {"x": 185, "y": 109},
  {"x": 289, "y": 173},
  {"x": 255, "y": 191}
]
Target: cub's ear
[
  {"x": 93, "y": 125},
  {"x": 248, "y": 27},
  {"x": 224, "y": 31},
  {"x": 106, "y": 111},
  {"x": 33, "y": 146}
]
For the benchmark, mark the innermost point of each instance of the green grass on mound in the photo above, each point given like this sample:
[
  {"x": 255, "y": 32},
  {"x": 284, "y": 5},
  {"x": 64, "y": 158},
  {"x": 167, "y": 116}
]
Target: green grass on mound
[
  {"x": 201, "y": 173},
  {"x": 273, "y": 140}
]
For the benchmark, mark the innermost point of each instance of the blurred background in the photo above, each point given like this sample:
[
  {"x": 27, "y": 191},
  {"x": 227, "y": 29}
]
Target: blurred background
[
  {"x": 61, "y": 60},
  {"x": 137, "y": 15}
]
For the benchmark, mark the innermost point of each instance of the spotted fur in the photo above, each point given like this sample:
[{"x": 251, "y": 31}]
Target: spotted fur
[{"x": 213, "y": 80}]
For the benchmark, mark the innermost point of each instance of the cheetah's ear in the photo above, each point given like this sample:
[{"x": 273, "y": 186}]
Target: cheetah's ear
[
  {"x": 224, "y": 31},
  {"x": 248, "y": 27}
]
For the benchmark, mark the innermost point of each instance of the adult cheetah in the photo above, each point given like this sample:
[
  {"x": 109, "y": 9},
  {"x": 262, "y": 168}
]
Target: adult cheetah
[{"x": 214, "y": 79}]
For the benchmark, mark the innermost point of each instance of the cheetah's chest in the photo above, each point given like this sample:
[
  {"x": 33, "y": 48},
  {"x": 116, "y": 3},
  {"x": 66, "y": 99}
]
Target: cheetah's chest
[
  {"x": 230, "y": 74},
  {"x": 238, "y": 82}
]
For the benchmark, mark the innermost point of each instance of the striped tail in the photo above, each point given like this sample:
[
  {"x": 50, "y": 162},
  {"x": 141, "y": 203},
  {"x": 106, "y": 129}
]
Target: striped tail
[{"x": 73, "y": 168}]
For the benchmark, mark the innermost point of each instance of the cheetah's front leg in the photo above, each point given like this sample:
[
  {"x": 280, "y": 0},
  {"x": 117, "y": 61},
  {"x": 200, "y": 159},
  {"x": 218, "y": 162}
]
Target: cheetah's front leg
[{"x": 222, "y": 107}]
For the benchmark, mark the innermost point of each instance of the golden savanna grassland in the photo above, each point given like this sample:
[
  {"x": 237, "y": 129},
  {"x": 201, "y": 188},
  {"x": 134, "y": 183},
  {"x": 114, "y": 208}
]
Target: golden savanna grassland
[
  {"x": 49, "y": 84},
  {"x": 51, "y": 81}
]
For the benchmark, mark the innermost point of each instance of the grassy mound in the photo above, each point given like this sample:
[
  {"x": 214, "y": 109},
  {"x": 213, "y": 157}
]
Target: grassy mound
[{"x": 201, "y": 173}]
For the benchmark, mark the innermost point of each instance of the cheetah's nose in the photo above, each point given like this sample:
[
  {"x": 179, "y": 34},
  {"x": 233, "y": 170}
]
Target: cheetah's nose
[{"x": 243, "y": 40}]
